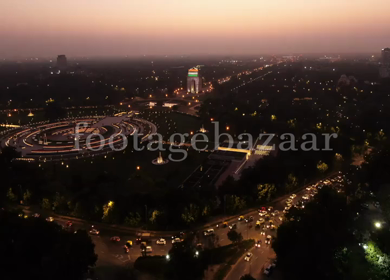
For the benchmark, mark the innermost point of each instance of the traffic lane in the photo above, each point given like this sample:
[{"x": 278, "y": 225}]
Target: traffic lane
[
  {"x": 246, "y": 231},
  {"x": 254, "y": 267},
  {"x": 113, "y": 253},
  {"x": 135, "y": 251}
]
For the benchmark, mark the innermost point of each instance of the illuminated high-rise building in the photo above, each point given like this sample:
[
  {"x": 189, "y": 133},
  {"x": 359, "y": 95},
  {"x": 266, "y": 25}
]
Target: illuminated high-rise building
[
  {"x": 62, "y": 61},
  {"x": 386, "y": 56},
  {"x": 384, "y": 70},
  {"x": 194, "y": 81}
]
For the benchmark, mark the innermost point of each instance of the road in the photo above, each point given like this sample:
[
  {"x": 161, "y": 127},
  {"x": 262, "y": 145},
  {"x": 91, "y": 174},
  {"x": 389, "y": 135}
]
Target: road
[
  {"x": 264, "y": 255},
  {"x": 111, "y": 256}
]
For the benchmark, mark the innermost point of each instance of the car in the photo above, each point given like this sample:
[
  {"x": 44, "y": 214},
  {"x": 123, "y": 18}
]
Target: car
[
  {"x": 161, "y": 241},
  {"x": 262, "y": 233},
  {"x": 241, "y": 218},
  {"x": 129, "y": 244},
  {"x": 365, "y": 205},
  {"x": 270, "y": 209},
  {"x": 36, "y": 215},
  {"x": 69, "y": 223},
  {"x": 273, "y": 227},
  {"x": 147, "y": 249},
  {"x": 268, "y": 270},
  {"x": 266, "y": 217},
  {"x": 248, "y": 256},
  {"x": 115, "y": 239},
  {"x": 376, "y": 204},
  {"x": 289, "y": 201},
  {"x": 208, "y": 232},
  {"x": 233, "y": 226},
  {"x": 249, "y": 219},
  {"x": 306, "y": 197},
  {"x": 281, "y": 218},
  {"x": 258, "y": 244},
  {"x": 50, "y": 219},
  {"x": 293, "y": 196},
  {"x": 225, "y": 224},
  {"x": 94, "y": 231},
  {"x": 176, "y": 240},
  {"x": 268, "y": 239}
]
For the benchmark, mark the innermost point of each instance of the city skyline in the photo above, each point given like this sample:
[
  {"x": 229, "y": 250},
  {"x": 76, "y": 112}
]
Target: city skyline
[{"x": 43, "y": 28}]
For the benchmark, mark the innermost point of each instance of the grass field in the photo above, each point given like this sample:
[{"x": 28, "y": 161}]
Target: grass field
[{"x": 132, "y": 171}]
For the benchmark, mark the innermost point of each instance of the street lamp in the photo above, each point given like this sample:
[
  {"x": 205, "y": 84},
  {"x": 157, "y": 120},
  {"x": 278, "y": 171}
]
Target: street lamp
[{"x": 378, "y": 225}]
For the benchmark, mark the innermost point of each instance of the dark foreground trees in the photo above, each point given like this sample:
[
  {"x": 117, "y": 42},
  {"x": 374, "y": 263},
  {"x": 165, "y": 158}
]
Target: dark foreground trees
[
  {"x": 318, "y": 241},
  {"x": 35, "y": 249}
]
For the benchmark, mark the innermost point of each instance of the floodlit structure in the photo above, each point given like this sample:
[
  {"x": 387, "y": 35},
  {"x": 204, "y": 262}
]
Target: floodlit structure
[
  {"x": 384, "y": 70},
  {"x": 194, "y": 81},
  {"x": 159, "y": 160},
  {"x": 202, "y": 129}
]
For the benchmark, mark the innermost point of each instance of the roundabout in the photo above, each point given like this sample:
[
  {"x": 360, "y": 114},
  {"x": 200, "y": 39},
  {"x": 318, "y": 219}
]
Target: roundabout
[{"x": 76, "y": 138}]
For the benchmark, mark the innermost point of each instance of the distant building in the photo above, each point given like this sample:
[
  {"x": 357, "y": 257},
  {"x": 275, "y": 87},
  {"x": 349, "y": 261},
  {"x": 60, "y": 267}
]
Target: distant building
[
  {"x": 384, "y": 71},
  {"x": 62, "y": 61},
  {"x": 386, "y": 56},
  {"x": 194, "y": 81}
]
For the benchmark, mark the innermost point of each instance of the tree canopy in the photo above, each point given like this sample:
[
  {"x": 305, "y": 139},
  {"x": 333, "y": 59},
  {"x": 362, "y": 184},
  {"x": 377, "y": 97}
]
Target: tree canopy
[{"x": 35, "y": 249}]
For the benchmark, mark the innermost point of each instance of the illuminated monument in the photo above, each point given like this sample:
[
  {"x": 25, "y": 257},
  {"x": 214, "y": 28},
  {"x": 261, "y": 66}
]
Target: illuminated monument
[
  {"x": 194, "y": 81},
  {"x": 159, "y": 160}
]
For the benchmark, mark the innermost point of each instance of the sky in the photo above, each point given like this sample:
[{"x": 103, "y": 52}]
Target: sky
[{"x": 31, "y": 28}]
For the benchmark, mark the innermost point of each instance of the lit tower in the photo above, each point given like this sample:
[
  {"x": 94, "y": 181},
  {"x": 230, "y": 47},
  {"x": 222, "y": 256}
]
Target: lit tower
[
  {"x": 384, "y": 70},
  {"x": 194, "y": 81}
]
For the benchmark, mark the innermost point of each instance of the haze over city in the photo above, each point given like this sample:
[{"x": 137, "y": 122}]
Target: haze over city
[
  {"x": 173, "y": 27},
  {"x": 194, "y": 140}
]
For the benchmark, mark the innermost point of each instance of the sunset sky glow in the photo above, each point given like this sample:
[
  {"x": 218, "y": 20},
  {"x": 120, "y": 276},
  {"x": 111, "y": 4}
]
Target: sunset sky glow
[{"x": 134, "y": 27}]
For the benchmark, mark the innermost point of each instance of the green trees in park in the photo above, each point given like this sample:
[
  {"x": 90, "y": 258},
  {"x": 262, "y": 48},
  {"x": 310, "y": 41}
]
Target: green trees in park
[
  {"x": 234, "y": 236},
  {"x": 265, "y": 192},
  {"x": 322, "y": 166},
  {"x": 185, "y": 261},
  {"x": 190, "y": 213},
  {"x": 326, "y": 236},
  {"x": 11, "y": 196},
  {"x": 35, "y": 249}
]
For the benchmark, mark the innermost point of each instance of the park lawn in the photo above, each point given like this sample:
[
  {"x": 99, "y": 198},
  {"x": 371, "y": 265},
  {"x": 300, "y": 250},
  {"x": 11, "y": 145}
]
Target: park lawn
[{"x": 120, "y": 170}]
